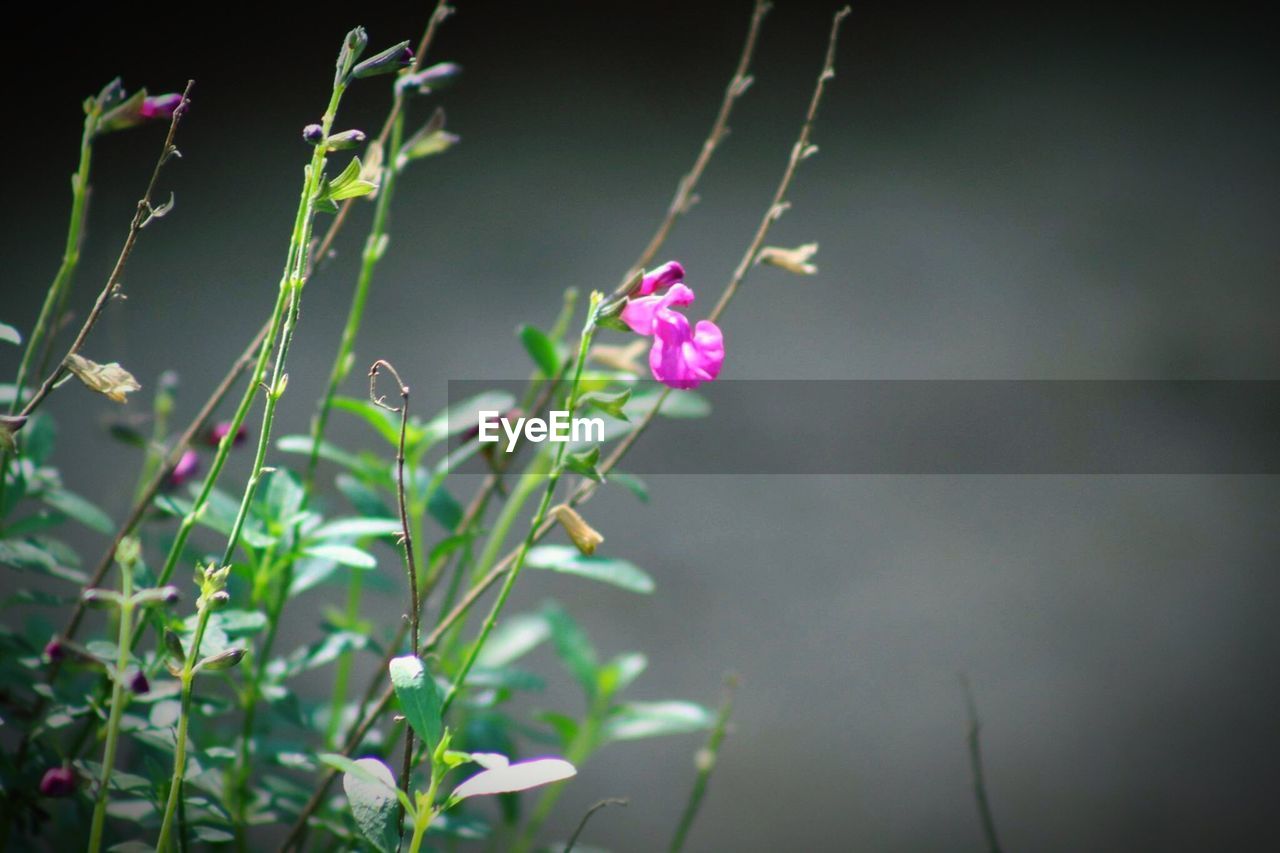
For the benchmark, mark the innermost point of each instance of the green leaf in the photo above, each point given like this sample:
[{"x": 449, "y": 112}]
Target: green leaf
[
  {"x": 465, "y": 415},
  {"x": 420, "y": 697},
  {"x": 310, "y": 572},
  {"x": 570, "y": 561},
  {"x": 572, "y": 647},
  {"x": 318, "y": 654},
  {"x": 449, "y": 544},
  {"x": 80, "y": 509},
  {"x": 680, "y": 404},
  {"x": 565, "y": 727},
  {"x": 356, "y": 528},
  {"x": 25, "y": 556},
  {"x": 610, "y": 404},
  {"x": 584, "y": 463},
  {"x": 386, "y": 423},
  {"x": 328, "y": 452},
  {"x": 9, "y": 334},
  {"x": 366, "y": 501},
  {"x": 346, "y": 555},
  {"x": 618, "y": 674},
  {"x": 371, "y": 789},
  {"x": 512, "y": 639},
  {"x": 426, "y": 143},
  {"x": 444, "y": 508},
  {"x": 542, "y": 350},
  {"x": 631, "y": 483},
  {"x": 347, "y": 184},
  {"x": 514, "y": 777},
  {"x": 38, "y": 438},
  {"x": 636, "y": 720}
]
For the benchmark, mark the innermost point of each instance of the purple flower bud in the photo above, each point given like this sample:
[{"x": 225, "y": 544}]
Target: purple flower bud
[
  {"x": 661, "y": 278},
  {"x": 313, "y": 134},
  {"x": 138, "y": 683},
  {"x": 188, "y": 465},
  {"x": 171, "y": 594},
  {"x": 430, "y": 78},
  {"x": 391, "y": 59},
  {"x": 58, "y": 782},
  {"x": 160, "y": 106},
  {"x": 220, "y": 430},
  {"x": 54, "y": 650}
]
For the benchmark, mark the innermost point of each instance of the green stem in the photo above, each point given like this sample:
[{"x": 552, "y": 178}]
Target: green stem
[
  {"x": 374, "y": 248},
  {"x": 291, "y": 284},
  {"x": 123, "y": 647},
  {"x": 70, "y": 258},
  {"x": 180, "y": 746},
  {"x": 61, "y": 281},
  {"x": 491, "y": 619},
  {"x": 706, "y": 762},
  {"x": 239, "y": 786}
]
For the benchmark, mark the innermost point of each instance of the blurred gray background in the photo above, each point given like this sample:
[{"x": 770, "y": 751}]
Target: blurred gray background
[{"x": 1045, "y": 193}]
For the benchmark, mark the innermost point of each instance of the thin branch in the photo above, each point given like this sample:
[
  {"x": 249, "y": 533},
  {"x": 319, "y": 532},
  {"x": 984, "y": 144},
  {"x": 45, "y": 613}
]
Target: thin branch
[
  {"x": 140, "y": 218},
  {"x": 582, "y": 824},
  {"x": 975, "y": 765},
  {"x": 406, "y": 536},
  {"x": 706, "y": 763},
  {"x": 684, "y": 198}
]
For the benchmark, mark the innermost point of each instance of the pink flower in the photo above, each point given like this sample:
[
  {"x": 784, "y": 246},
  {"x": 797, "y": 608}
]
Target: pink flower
[
  {"x": 664, "y": 276},
  {"x": 159, "y": 107},
  {"x": 683, "y": 360},
  {"x": 188, "y": 465},
  {"x": 220, "y": 430},
  {"x": 58, "y": 782},
  {"x": 681, "y": 356}
]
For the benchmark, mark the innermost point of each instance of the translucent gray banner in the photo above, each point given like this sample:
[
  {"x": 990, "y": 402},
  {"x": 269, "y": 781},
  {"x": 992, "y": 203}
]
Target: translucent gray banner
[{"x": 933, "y": 427}]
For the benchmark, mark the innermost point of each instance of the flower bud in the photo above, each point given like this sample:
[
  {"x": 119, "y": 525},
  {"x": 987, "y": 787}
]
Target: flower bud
[
  {"x": 222, "y": 660},
  {"x": 138, "y": 684},
  {"x": 313, "y": 134},
  {"x": 221, "y": 430},
  {"x": 157, "y": 595},
  {"x": 97, "y": 597},
  {"x": 584, "y": 536},
  {"x": 346, "y": 139},
  {"x": 187, "y": 467},
  {"x": 160, "y": 106},
  {"x": 58, "y": 782},
  {"x": 391, "y": 59},
  {"x": 661, "y": 278},
  {"x": 429, "y": 78},
  {"x": 352, "y": 48},
  {"x": 138, "y": 108},
  {"x": 54, "y": 650}
]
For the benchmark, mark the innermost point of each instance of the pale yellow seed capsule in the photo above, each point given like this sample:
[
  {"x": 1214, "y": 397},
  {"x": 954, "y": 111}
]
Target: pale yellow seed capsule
[{"x": 584, "y": 536}]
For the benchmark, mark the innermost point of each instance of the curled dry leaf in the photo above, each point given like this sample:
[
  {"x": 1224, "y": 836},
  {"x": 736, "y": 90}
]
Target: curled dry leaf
[
  {"x": 584, "y": 536},
  {"x": 792, "y": 260},
  {"x": 110, "y": 379}
]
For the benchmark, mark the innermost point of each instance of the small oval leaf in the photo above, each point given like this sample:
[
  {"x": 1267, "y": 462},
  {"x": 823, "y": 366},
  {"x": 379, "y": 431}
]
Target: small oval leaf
[{"x": 515, "y": 777}]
